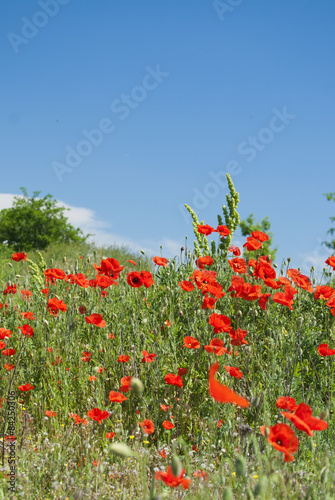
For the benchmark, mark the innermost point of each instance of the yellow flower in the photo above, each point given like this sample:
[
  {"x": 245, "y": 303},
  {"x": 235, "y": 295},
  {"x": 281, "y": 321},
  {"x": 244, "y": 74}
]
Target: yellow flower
[
  {"x": 255, "y": 476},
  {"x": 131, "y": 437}
]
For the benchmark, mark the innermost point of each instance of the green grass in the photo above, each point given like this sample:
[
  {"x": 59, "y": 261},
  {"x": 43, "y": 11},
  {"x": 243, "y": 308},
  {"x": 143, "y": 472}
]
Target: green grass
[{"x": 55, "y": 457}]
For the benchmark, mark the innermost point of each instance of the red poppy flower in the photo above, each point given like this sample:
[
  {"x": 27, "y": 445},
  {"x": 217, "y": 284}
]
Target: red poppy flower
[
  {"x": 96, "y": 319},
  {"x": 237, "y": 336},
  {"x": 110, "y": 435},
  {"x": 283, "y": 439},
  {"x": 134, "y": 279},
  {"x": 252, "y": 244},
  {"x": 208, "y": 302},
  {"x": 55, "y": 305},
  {"x": 220, "y": 322},
  {"x": 26, "y": 330},
  {"x": 286, "y": 403},
  {"x": 165, "y": 407},
  {"x": 220, "y": 422},
  {"x": 160, "y": 261},
  {"x": 201, "y": 473},
  {"x": 2, "y": 344},
  {"x": 4, "y": 333},
  {"x": 125, "y": 381},
  {"x": 167, "y": 425},
  {"x": 238, "y": 265},
  {"x": 19, "y": 256},
  {"x": 186, "y": 285},
  {"x": 234, "y": 372},
  {"x": 303, "y": 420},
  {"x": 331, "y": 262},
  {"x": 104, "y": 281},
  {"x": 236, "y": 251},
  {"x": 191, "y": 343},
  {"x": 9, "y": 367},
  {"x": 283, "y": 298},
  {"x": 9, "y": 352},
  {"x": 131, "y": 261},
  {"x": 148, "y": 358},
  {"x": 171, "y": 480},
  {"x": 50, "y": 413},
  {"x": 86, "y": 356},
  {"x": 147, "y": 426},
  {"x": 82, "y": 310},
  {"x": 27, "y": 315},
  {"x": 324, "y": 350},
  {"x": 147, "y": 279},
  {"x": 216, "y": 346},
  {"x": 223, "y": 231},
  {"x": 258, "y": 235},
  {"x": 201, "y": 262},
  {"x": 117, "y": 397},
  {"x": 26, "y": 294},
  {"x": 182, "y": 371},
  {"x": 323, "y": 292},
  {"x": 172, "y": 379},
  {"x": 45, "y": 291},
  {"x": 26, "y": 387},
  {"x": 98, "y": 415},
  {"x": 54, "y": 274},
  {"x": 123, "y": 358},
  {"x": 263, "y": 300},
  {"x": 10, "y": 289},
  {"x": 207, "y": 230},
  {"x": 222, "y": 393}
]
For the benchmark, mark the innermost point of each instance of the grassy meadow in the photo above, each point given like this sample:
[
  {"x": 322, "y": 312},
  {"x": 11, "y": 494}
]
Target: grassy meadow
[{"x": 143, "y": 362}]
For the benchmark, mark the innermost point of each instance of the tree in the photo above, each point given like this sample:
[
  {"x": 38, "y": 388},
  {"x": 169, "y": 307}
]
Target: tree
[
  {"x": 249, "y": 225},
  {"x": 331, "y": 244},
  {"x": 33, "y": 223}
]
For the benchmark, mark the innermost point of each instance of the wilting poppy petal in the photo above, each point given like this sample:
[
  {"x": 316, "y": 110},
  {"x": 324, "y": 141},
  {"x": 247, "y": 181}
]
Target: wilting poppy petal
[{"x": 222, "y": 393}]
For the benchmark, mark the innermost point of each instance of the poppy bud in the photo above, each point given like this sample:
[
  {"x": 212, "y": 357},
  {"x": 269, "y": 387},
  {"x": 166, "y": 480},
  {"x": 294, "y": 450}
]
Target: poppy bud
[
  {"x": 17, "y": 275},
  {"x": 176, "y": 466},
  {"x": 239, "y": 314},
  {"x": 288, "y": 259},
  {"x": 88, "y": 260},
  {"x": 64, "y": 258},
  {"x": 240, "y": 466},
  {"x": 227, "y": 494},
  {"x": 324, "y": 475},
  {"x": 182, "y": 249},
  {"x": 261, "y": 486},
  {"x": 142, "y": 252},
  {"x": 137, "y": 386},
  {"x": 285, "y": 262},
  {"x": 267, "y": 432},
  {"x": 274, "y": 265},
  {"x": 10, "y": 264},
  {"x": 181, "y": 313},
  {"x": 312, "y": 269},
  {"x": 121, "y": 450}
]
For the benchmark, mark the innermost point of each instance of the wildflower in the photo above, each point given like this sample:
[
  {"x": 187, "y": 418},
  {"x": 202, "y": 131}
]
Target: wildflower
[
  {"x": 283, "y": 439},
  {"x": 98, "y": 415},
  {"x": 220, "y": 422},
  {"x": 303, "y": 420},
  {"x": 125, "y": 384},
  {"x": 191, "y": 343},
  {"x": 86, "y": 356},
  {"x": 201, "y": 262},
  {"x": 237, "y": 336},
  {"x": 104, "y": 281},
  {"x": 220, "y": 322},
  {"x": 92, "y": 378},
  {"x": 234, "y": 372},
  {"x": 263, "y": 300},
  {"x": 182, "y": 371},
  {"x": 54, "y": 274},
  {"x": 110, "y": 435},
  {"x": 19, "y": 256},
  {"x": 134, "y": 279},
  {"x": 10, "y": 289},
  {"x": 55, "y": 305},
  {"x": 96, "y": 319},
  {"x": 222, "y": 393},
  {"x": 26, "y": 330},
  {"x": 4, "y": 333},
  {"x": 27, "y": 315},
  {"x": 206, "y": 230},
  {"x": 236, "y": 251},
  {"x": 2, "y": 344},
  {"x": 9, "y": 352},
  {"x": 258, "y": 235},
  {"x": 286, "y": 403},
  {"x": 131, "y": 261},
  {"x": 148, "y": 358},
  {"x": 165, "y": 407},
  {"x": 201, "y": 473},
  {"x": 172, "y": 379},
  {"x": 331, "y": 262},
  {"x": 323, "y": 292},
  {"x": 50, "y": 413},
  {"x": 238, "y": 265},
  {"x": 167, "y": 425},
  {"x": 186, "y": 285},
  {"x": 216, "y": 346},
  {"x": 324, "y": 350},
  {"x": 26, "y": 387},
  {"x": 208, "y": 302},
  {"x": 160, "y": 261},
  {"x": 146, "y": 277},
  {"x": 147, "y": 426},
  {"x": 123, "y": 359},
  {"x": 116, "y": 397},
  {"x": 9, "y": 367},
  {"x": 171, "y": 480},
  {"x": 223, "y": 231},
  {"x": 283, "y": 298},
  {"x": 252, "y": 244}
]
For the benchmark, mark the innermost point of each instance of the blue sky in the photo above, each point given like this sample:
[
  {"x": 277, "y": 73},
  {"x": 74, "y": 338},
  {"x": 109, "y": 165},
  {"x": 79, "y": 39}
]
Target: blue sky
[{"x": 126, "y": 110}]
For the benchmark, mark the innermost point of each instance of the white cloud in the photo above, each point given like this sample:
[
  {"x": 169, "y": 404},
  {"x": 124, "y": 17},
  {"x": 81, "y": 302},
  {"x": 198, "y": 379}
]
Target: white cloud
[{"x": 86, "y": 220}]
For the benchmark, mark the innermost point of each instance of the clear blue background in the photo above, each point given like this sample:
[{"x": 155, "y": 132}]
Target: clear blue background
[{"x": 226, "y": 74}]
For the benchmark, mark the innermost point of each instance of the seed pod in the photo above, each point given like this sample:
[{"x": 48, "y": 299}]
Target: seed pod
[{"x": 137, "y": 386}]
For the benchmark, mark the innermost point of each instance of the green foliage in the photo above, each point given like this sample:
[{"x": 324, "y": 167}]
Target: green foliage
[
  {"x": 249, "y": 225},
  {"x": 231, "y": 220},
  {"x": 33, "y": 223},
  {"x": 331, "y": 244}
]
